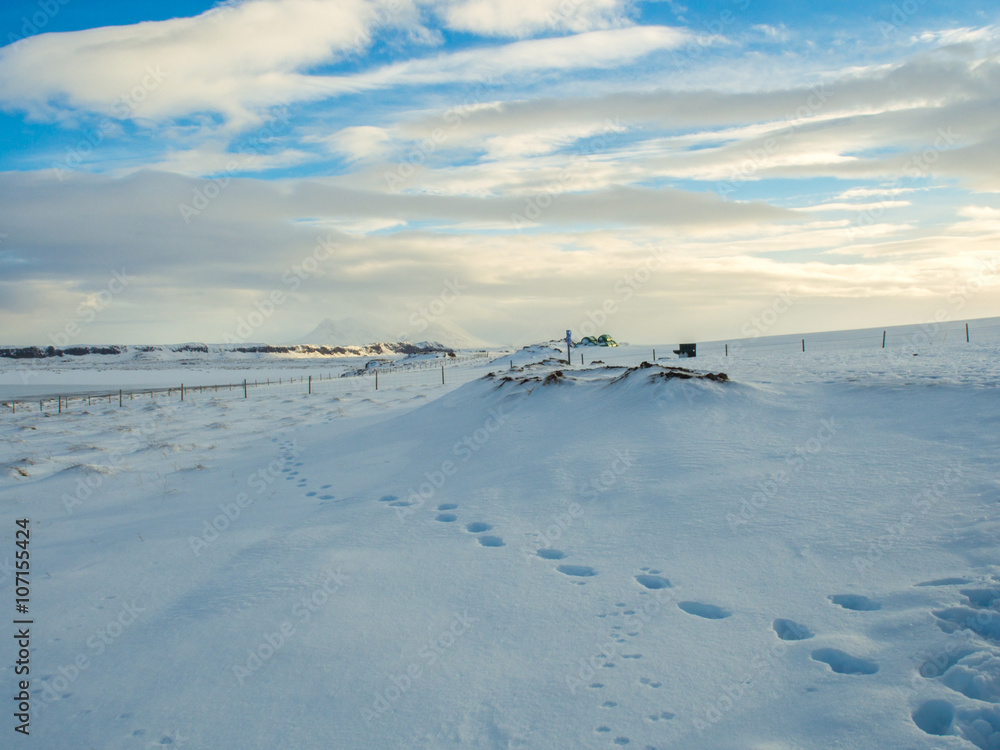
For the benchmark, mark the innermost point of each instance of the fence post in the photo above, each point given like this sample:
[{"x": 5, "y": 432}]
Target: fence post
[
  {"x": 310, "y": 384},
  {"x": 803, "y": 344},
  {"x": 442, "y": 374},
  {"x": 119, "y": 398},
  {"x": 883, "y": 339},
  {"x": 727, "y": 350},
  {"x": 966, "y": 333},
  {"x": 654, "y": 355},
  {"x": 244, "y": 387},
  {"x": 376, "y": 378},
  {"x": 182, "y": 391}
]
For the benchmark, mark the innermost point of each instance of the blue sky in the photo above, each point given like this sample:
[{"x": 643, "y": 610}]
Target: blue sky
[{"x": 538, "y": 152}]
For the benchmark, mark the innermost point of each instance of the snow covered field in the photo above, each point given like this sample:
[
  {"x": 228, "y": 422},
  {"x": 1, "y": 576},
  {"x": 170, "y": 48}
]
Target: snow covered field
[{"x": 806, "y": 556}]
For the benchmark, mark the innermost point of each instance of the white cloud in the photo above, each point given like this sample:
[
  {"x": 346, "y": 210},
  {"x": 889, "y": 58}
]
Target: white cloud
[
  {"x": 593, "y": 49},
  {"x": 211, "y": 161},
  {"x": 241, "y": 61},
  {"x": 520, "y": 18},
  {"x": 773, "y": 33},
  {"x": 874, "y": 192},
  {"x": 543, "y": 141},
  {"x": 358, "y": 142},
  {"x": 235, "y": 61},
  {"x": 856, "y": 207},
  {"x": 964, "y": 35}
]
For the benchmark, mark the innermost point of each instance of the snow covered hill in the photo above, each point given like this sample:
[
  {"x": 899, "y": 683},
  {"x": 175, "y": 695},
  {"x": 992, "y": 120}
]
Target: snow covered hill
[
  {"x": 803, "y": 555},
  {"x": 353, "y": 332}
]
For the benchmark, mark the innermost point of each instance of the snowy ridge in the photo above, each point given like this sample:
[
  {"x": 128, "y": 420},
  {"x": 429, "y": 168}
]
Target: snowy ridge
[
  {"x": 352, "y": 331},
  {"x": 216, "y": 351},
  {"x": 645, "y": 373}
]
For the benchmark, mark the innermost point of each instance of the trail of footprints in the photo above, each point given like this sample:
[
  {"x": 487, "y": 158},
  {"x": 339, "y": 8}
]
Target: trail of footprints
[
  {"x": 621, "y": 635},
  {"x": 290, "y": 471},
  {"x": 963, "y": 673},
  {"x": 444, "y": 515}
]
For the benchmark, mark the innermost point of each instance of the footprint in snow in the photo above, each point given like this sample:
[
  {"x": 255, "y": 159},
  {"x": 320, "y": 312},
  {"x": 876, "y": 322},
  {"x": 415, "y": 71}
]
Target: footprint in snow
[
  {"x": 477, "y": 527},
  {"x": 855, "y": 602},
  {"x": 789, "y": 630},
  {"x": 491, "y": 541},
  {"x": 945, "y": 582},
  {"x": 707, "y": 611},
  {"x": 652, "y": 581},
  {"x": 447, "y": 506},
  {"x": 981, "y": 598},
  {"x": 551, "y": 554},
  {"x": 843, "y": 663},
  {"x": 578, "y": 571},
  {"x": 446, "y": 517},
  {"x": 935, "y": 717}
]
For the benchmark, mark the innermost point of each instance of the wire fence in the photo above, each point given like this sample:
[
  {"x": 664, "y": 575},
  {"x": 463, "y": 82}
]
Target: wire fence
[
  {"x": 387, "y": 374},
  {"x": 902, "y": 338},
  {"x": 384, "y": 375}
]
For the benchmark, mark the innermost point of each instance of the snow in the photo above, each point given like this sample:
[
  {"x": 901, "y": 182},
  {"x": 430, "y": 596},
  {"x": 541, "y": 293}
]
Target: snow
[
  {"x": 353, "y": 332},
  {"x": 805, "y": 556}
]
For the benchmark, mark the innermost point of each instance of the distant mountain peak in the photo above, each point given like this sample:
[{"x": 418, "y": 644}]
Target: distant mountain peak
[{"x": 351, "y": 331}]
